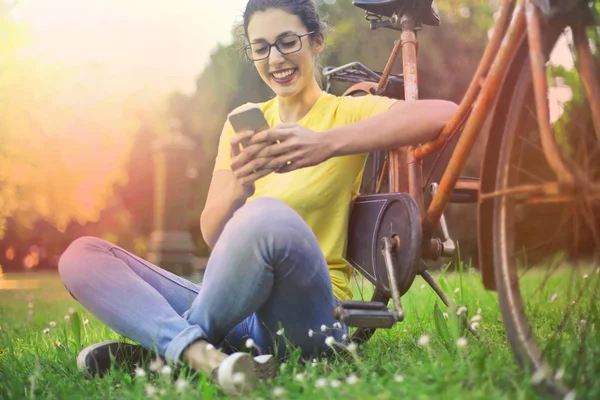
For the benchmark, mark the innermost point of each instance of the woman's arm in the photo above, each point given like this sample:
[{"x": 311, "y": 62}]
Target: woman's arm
[
  {"x": 405, "y": 123},
  {"x": 225, "y": 196},
  {"x": 228, "y": 191}
]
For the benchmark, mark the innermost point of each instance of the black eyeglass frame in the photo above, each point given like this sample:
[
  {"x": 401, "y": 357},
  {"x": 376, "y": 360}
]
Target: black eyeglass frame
[{"x": 271, "y": 45}]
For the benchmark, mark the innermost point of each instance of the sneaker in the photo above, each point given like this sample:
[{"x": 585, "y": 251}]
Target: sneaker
[
  {"x": 97, "y": 359},
  {"x": 236, "y": 373}
]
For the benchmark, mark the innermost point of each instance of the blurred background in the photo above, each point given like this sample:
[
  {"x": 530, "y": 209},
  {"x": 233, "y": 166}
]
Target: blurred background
[{"x": 89, "y": 92}]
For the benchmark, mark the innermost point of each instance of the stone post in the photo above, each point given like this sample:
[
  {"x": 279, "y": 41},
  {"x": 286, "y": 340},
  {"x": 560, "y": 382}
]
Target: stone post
[{"x": 171, "y": 246}]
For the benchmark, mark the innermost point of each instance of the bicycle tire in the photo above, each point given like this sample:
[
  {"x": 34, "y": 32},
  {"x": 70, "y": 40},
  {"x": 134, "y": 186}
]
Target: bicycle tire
[{"x": 533, "y": 351}]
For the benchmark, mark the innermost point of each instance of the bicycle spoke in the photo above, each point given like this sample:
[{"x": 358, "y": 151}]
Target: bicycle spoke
[{"x": 551, "y": 231}]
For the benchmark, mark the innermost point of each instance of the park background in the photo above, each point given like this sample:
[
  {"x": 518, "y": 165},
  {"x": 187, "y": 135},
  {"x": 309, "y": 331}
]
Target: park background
[{"x": 88, "y": 88}]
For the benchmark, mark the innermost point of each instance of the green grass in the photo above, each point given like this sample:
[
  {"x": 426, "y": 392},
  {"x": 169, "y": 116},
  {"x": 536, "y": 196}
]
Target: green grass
[{"x": 390, "y": 366}]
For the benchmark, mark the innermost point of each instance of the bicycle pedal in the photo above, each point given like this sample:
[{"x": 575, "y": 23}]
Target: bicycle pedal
[
  {"x": 362, "y": 305},
  {"x": 363, "y": 314}
]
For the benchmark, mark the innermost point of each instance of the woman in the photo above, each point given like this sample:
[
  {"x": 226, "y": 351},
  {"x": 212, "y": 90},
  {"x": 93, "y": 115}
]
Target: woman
[{"x": 278, "y": 233}]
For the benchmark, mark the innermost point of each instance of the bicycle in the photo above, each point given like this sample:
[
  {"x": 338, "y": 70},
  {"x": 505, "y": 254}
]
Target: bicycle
[{"x": 539, "y": 172}]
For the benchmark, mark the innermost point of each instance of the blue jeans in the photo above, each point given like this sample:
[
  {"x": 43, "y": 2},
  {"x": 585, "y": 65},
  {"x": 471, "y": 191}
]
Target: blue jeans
[{"x": 266, "y": 270}]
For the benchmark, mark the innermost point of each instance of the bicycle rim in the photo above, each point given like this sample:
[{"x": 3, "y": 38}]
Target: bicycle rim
[{"x": 547, "y": 248}]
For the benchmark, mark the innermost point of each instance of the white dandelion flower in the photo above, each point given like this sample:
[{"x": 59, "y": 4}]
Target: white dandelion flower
[
  {"x": 352, "y": 379},
  {"x": 424, "y": 341},
  {"x": 456, "y": 290},
  {"x": 573, "y": 302},
  {"x": 352, "y": 347},
  {"x": 323, "y": 328},
  {"x": 344, "y": 337},
  {"x": 335, "y": 383},
  {"x": 58, "y": 344},
  {"x": 313, "y": 362},
  {"x": 278, "y": 391},
  {"x": 337, "y": 325},
  {"x": 398, "y": 378},
  {"x": 52, "y": 324},
  {"x": 585, "y": 276},
  {"x": 181, "y": 384},
  {"x": 475, "y": 325},
  {"x": 150, "y": 390},
  {"x": 299, "y": 378},
  {"x": 570, "y": 395},
  {"x": 155, "y": 365},
  {"x": 140, "y": 372},
  {"x": 249, "y": 343},
  {"x": 445, "y": 315},
  {"x": 461, "y": 342},
  {"x": 461, "y": 309},
  {"x": 46, "y": 331},
  {"x": 476, "y": 318},
  {"x": 321, "y": 383},
  {"x": 238, "y": 378},
  {"x": 559, "y": 374},
  {"x": 330, "y": 341},
  {"x": 67, "y": 318},
  {"x": 166, "y": 371},
  {"x": 538, "y": 377},
  {"x": 583, "y": 322},
  {"x": 311, "y": 333},
  {"x": 71, "y": 310},
  {"x": 554, "y": 297},
  {"x": 280, "y": 332}
]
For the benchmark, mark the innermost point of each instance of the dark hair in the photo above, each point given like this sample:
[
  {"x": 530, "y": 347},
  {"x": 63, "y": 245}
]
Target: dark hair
[{"x": 306, "y": 10}]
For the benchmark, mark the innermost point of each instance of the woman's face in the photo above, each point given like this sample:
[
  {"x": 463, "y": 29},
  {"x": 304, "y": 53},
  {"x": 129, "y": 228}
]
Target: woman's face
[{"x": 287, "y": 75}]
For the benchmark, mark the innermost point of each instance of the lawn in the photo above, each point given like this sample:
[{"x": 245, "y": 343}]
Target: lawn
[{"x": 43, "y": 328}]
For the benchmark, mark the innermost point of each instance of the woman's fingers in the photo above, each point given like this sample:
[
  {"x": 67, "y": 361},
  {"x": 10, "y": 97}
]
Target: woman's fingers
[
  {"x": 247, "y": 154},
  {"x": 241, "y": 137},
  {"x": 254, "y": 176},
  {"x": 272, "y": 135},
  {"x": 251, "y": 166}
]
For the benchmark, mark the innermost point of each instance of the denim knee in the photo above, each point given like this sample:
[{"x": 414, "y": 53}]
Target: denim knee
[
  {"x": 271, "y": 225},
  {"x": 265, "y": 215},
  {"x": 72, "y": 262}
]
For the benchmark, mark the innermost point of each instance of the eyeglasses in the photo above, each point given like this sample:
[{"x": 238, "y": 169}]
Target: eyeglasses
[{"x": 287, "y": 44}]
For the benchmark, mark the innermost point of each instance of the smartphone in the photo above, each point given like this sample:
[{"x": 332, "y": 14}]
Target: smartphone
[{"x": 249, "y": 119}]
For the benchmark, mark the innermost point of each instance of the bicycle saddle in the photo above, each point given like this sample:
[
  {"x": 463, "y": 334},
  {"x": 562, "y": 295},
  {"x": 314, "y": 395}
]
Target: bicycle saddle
[{"x": 425, "y": 11}]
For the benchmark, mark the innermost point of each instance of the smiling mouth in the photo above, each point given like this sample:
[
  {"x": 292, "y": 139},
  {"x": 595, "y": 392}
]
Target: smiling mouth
[{"x": 284, "y": 76}]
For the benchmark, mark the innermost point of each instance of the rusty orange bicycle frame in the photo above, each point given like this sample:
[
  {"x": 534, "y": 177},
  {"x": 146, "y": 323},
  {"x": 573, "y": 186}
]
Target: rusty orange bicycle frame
[{"x": 477, "y": 104}]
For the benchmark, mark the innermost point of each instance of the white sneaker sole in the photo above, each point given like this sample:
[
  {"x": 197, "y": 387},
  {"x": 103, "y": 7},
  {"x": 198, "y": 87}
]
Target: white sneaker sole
[{"x": 240, "y": 372}]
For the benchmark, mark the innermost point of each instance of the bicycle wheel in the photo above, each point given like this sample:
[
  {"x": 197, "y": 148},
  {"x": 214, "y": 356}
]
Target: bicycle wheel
[{"x": 547, "y": 247}]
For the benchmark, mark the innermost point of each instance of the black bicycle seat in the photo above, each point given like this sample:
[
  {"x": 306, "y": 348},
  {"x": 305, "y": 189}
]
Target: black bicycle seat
[{"x": 424, "y": 10}]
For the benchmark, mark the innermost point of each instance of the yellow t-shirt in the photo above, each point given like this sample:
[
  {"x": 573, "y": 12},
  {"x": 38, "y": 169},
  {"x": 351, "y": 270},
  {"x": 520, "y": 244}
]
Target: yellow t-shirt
[{"x": 321, "y": 194}]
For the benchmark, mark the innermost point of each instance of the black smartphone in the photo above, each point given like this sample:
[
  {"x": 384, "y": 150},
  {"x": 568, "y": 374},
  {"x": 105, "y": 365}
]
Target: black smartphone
[{"x": 249, "y": 119}]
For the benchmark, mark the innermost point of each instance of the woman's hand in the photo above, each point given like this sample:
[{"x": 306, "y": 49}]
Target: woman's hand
[
  {"x": 290, "y": 146},
  {"x": 247, "y": 166}
]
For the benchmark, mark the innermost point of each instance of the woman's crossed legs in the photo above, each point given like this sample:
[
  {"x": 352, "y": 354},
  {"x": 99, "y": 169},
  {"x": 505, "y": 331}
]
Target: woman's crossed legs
[{"x": 266, "y": 271}]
